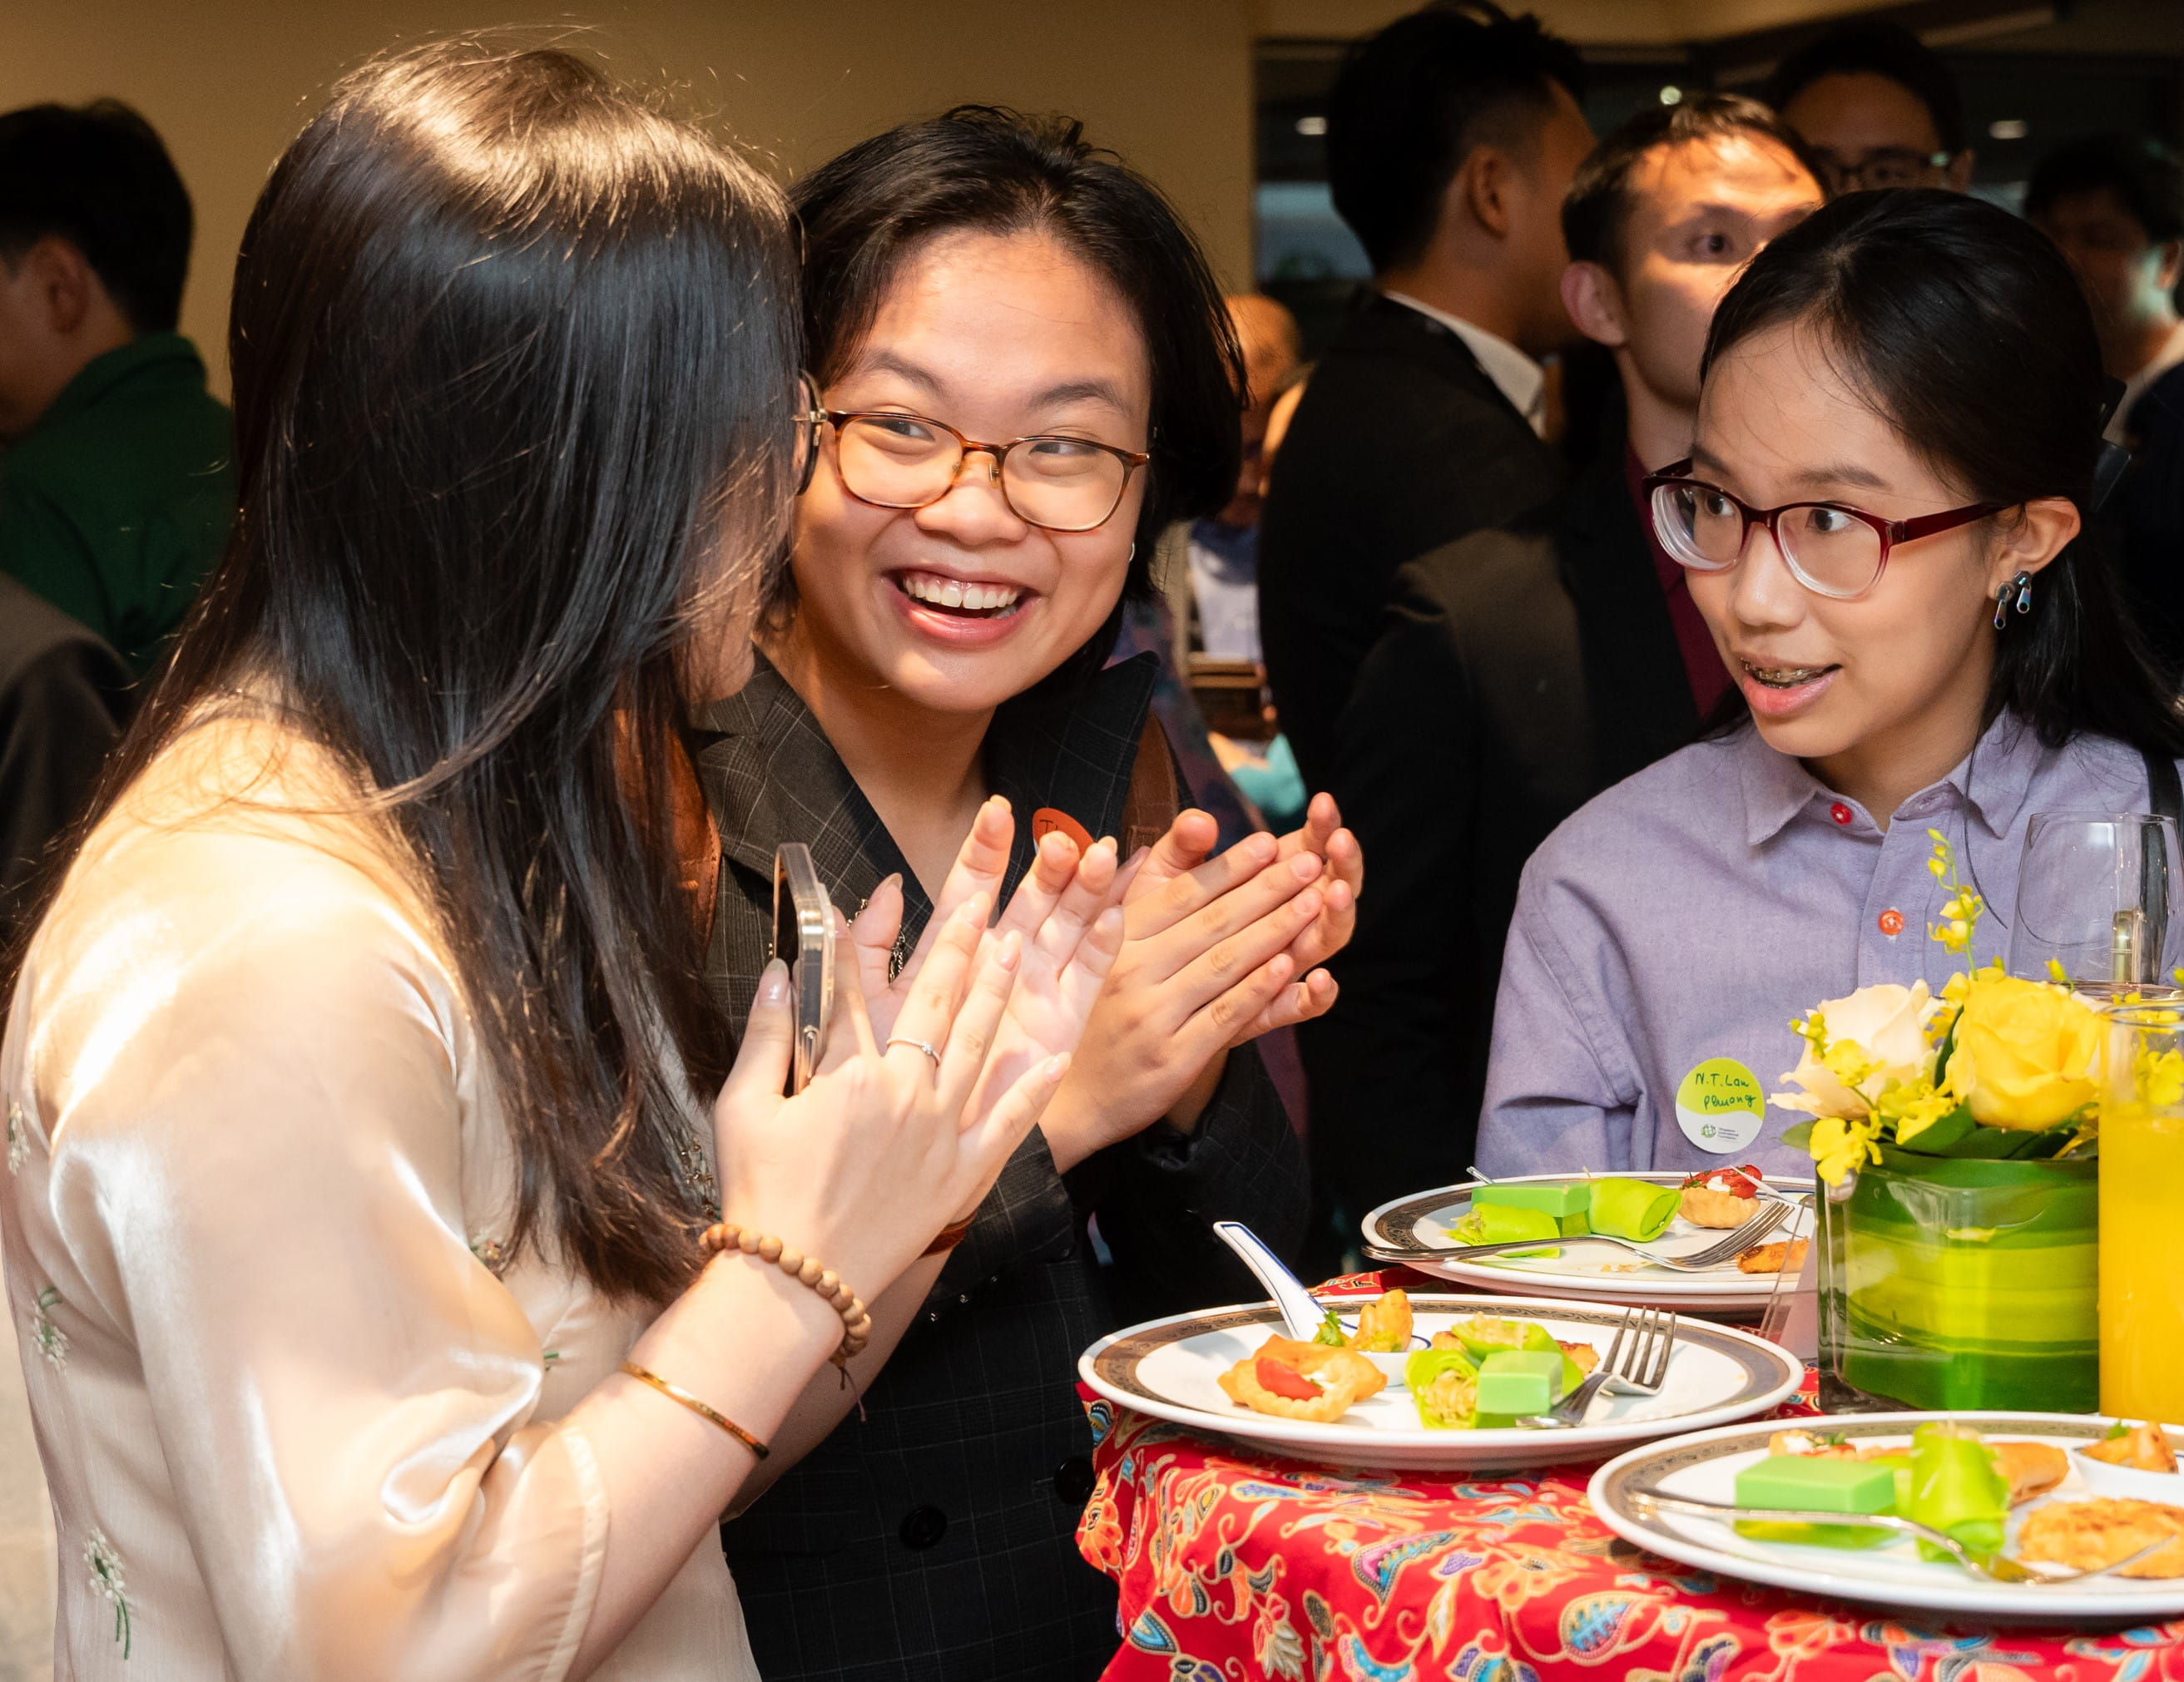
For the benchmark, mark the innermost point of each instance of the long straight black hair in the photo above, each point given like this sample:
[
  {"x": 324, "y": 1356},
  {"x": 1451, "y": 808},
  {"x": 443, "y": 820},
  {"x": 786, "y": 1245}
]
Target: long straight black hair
[
  {"x": 514, "y": 358},
  {"x": 1963, "y": 327}
]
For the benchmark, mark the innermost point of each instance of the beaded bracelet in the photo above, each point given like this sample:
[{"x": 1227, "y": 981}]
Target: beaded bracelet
[{"x": 856, "y": 1320}]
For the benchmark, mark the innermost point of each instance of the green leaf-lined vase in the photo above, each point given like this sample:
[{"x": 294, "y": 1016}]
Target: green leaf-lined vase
[{"x": 1963, "y": 1283}]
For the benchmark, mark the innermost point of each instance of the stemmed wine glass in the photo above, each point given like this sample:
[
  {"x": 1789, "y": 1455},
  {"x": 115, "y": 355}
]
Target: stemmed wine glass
[{"x": 2097, "y": 896}]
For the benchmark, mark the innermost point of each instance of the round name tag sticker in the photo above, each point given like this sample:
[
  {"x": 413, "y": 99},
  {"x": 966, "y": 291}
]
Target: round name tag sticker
[{"x": 1720, "y": 1106}]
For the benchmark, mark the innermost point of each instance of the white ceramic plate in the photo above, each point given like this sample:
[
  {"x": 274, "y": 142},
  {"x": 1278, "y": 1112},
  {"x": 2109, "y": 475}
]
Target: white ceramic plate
[
  {"x": 1704, "y": 1465},
  {"x": 1591, "y": 1272},
  {"x": 1171, "y": 1368}
]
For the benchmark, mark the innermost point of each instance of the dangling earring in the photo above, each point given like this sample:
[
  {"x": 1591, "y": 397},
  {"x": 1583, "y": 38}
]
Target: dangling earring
[
  {"x": 1131, "y": 556},
  {"x": 2022, "y": 588}
]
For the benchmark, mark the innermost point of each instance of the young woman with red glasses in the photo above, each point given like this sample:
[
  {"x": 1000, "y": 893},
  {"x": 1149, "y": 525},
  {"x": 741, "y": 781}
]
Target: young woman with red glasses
[{"x": 1883, "y": 521}]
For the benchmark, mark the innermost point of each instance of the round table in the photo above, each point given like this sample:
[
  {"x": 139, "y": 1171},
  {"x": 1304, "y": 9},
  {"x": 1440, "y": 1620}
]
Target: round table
[{"x": 1236, "y": 1564}]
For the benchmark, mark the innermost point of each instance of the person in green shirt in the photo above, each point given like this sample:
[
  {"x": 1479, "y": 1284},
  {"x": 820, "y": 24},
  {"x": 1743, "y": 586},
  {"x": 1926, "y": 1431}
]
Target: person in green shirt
[{"x": 117, "y": 481}]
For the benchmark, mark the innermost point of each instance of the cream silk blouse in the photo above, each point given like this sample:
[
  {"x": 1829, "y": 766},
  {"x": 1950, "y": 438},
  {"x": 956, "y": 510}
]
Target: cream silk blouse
[{"x": 300, "y": 1417}]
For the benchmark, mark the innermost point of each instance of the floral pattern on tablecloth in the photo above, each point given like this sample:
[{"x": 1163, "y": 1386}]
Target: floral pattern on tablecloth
[{"x": 1235, "y": 1565}]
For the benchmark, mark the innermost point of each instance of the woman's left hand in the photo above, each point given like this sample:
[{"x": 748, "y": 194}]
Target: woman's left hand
[{"x": 1072, "y": 930}]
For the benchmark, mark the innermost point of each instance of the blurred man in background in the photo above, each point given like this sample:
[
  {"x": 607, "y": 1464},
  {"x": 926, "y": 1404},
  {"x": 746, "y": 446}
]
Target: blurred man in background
[
  {"x": 1223, "y": 553},
  {"x": 1660, "y": 222},
  {"x": 2115, "y": 206},
  {"x": 116, "y": 481},
  {"x": 1521, "y": 670},
  {"x": 1451, "y": 140},
  {"x": 1217, "y": 604},
  {"x": 1877, "y": 108}
]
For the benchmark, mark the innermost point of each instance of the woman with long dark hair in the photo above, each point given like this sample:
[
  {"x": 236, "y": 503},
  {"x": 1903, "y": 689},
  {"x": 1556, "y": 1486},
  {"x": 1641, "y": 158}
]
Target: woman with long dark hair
[
  {"x": 1024, "y": 373},
  {"x": 359, "y": 1187},
  {"x": 1884, "y": 522}
]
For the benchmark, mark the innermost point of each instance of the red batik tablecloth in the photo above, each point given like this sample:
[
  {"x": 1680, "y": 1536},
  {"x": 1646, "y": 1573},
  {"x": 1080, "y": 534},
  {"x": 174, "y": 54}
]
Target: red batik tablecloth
[{"x": 1235, "y": 1564}]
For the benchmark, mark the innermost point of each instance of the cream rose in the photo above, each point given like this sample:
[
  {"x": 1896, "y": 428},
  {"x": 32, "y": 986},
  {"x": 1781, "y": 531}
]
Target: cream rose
[{"x": 1886, "y": 1023}]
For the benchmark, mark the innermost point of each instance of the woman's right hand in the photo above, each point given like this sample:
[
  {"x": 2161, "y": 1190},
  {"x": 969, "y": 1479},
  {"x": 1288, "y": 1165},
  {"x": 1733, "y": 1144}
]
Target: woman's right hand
[{"x": 851, "y": 1169}]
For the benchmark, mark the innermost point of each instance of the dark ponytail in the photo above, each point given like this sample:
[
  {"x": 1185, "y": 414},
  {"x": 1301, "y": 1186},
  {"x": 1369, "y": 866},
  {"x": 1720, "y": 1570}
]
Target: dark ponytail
[{"x": 1965, "y": 329}]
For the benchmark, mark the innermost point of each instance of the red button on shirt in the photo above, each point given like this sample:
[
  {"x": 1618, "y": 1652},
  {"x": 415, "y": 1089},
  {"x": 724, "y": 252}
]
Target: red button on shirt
[
  {"x": 1839, "y": 812},
  {"x": 1891, "y": 924}
]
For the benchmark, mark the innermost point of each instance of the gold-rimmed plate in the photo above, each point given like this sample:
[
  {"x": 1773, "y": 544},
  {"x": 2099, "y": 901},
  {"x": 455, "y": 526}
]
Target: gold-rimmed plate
[
  {"x": 1703, "y": 1465},
  {"x": 1587, "y": 1272},
  {"x": 1171, "y": 1369}
]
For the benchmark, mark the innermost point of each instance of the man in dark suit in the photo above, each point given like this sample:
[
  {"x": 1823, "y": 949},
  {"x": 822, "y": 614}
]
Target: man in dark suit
[
  {"x": 1451, "y": 140},
  {"x": 1520, "y": 670},
  {"x": 2113, "y": 205}
]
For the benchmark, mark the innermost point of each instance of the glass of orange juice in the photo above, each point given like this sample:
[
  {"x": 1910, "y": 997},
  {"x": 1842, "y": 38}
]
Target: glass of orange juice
[{"x": 2142, "y": 1190}]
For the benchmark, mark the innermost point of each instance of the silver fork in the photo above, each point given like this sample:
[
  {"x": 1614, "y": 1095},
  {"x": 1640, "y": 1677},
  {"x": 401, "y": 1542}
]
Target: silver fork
[
  {"x": 1995, "y": 1567},
  {"x": 1652, "y": 1340},
  {"x": 1751, "y": 1232}
]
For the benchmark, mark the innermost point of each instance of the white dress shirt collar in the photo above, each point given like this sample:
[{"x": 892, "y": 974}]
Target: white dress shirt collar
[
  {"x": 1515, "y": 374},
  {"x": 2134, "y": 388}
]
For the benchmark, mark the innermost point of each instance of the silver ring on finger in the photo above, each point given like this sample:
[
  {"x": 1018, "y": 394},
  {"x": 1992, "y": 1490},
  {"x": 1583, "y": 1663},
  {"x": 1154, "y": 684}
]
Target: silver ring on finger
[{"x": 917, "y": 1045}]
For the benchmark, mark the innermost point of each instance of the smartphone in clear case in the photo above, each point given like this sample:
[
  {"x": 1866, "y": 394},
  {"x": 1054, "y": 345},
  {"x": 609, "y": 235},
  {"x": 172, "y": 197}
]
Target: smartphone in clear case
[{"x": 803, "y": 938}]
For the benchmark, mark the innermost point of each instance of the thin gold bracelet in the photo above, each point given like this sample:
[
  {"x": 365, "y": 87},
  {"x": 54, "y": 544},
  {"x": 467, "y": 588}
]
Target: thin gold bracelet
[{"x": 675, "y": 1392}]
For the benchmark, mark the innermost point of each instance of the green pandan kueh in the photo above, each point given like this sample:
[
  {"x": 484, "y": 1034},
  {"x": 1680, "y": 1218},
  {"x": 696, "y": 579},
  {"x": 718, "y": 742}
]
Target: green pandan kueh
[
  {"x": 1966, "y": 1283},
  {"x": 1817, "y": 1485},
  {"x": 1568, "y": 1200}
]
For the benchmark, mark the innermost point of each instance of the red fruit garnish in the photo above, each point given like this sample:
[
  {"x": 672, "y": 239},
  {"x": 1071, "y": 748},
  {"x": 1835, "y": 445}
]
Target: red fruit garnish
[{"x": 1287, "y": 1381}]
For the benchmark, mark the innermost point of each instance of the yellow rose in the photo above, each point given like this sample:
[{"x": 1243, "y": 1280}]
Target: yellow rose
[
  {"x": 1887, "y": 1024},
  {"x": 2027, "y": 1055}
]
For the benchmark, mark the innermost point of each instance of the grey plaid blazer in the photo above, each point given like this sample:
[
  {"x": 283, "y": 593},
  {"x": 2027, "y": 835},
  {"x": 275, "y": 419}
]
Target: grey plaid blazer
[{"x": 934, "y": 1538}]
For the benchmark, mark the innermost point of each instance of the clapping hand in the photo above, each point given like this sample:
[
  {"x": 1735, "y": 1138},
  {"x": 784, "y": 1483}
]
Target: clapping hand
[
  {"x": 1341, "y": 875},
  {"x": 1064, "y": 913}
]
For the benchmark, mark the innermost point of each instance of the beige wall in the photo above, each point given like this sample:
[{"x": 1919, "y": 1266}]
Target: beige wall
[{"x": 1165, "y": 82}]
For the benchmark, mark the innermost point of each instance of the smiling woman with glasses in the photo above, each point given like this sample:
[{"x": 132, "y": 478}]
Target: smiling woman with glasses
[
  {"x": 1883, "y": 521},
  {"x": 1022, "y": 372}
]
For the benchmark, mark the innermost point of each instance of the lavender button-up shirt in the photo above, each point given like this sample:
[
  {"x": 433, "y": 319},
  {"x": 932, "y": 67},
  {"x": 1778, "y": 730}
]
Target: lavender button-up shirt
[{"x": 1690, "y": 912}]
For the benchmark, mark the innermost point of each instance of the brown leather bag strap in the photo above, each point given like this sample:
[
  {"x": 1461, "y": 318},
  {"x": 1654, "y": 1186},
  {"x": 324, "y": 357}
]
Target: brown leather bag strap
[{"x": 1153, "y": 799}]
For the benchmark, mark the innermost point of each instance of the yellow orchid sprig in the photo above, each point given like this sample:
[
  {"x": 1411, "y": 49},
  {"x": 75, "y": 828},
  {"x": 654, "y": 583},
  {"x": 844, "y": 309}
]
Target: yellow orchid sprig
[
  {"x": 1962, "y": 909},
  {"x": 1841, "y": 1147}
]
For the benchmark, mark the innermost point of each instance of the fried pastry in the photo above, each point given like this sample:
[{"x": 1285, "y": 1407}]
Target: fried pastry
[
  {"x": 2031, "y": 1468},
  {"x": 1772, "y": 1258},
  {"x": 1384, "y": 1325},
  {"x": 1584, "y": 1355},
  {"x": 2088, "y": 1535},
  {"x": 2144, "y": 1448},
  {"x": 1305, "y": 1381}
]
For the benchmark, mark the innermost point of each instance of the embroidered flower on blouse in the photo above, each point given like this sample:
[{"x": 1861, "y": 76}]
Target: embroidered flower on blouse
[
  {"x": 107, "y": 1580},
  {"x": 18, "y": 1138},
  {"x": 46, "y": 1337},
  {"x": 693, "y": 1168},
  {"x": 492, "y": 1252}
]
